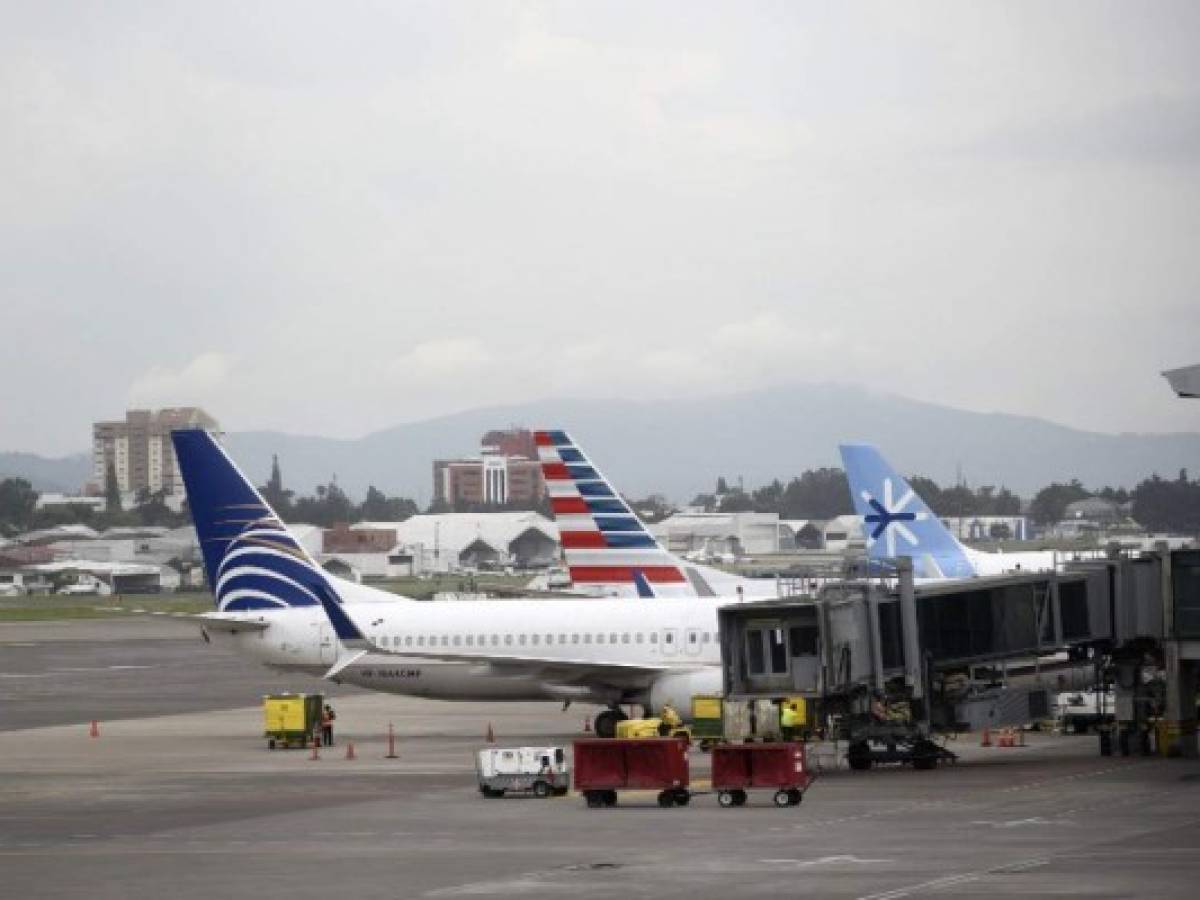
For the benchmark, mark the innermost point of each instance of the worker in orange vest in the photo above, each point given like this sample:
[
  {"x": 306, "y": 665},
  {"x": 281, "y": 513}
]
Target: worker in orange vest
[{"x": 327, "y": 717}]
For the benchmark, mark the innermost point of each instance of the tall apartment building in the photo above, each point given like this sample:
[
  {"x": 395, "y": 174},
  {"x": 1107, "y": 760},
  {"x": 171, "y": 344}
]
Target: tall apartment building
[
  {"x": 140, "y": 448},
  {"x": 506, "y": 471}
]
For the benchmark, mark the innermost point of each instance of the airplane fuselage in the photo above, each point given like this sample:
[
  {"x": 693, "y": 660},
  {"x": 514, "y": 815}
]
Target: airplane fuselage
[{"x": 678, "y": 637}]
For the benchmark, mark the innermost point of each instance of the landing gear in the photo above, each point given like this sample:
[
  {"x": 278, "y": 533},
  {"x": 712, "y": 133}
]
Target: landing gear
[{"x": 606, "y": 722}]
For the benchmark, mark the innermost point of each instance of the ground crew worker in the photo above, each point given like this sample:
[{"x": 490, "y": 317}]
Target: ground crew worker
[
  {"x": 789, "y": 720},
  {"x": 327, "y": 717},
  {"x": 670, "y": 716}
]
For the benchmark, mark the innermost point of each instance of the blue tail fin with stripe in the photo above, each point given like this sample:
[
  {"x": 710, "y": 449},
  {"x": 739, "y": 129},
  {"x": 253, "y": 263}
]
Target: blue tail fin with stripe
[{"x": 251, "y": 559}]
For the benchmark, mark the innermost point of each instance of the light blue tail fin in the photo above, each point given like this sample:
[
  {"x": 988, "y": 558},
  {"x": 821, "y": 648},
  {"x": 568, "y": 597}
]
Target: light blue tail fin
[
  {"x": 251, "y": 560},
  {"x": 896, "y": 521}
]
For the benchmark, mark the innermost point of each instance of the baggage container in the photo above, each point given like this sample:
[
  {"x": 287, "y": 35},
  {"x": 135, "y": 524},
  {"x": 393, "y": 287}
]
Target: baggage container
[
  {"x": 541, "y": 771},
  {"x": 708, "y": 722},
  {"x": 605, "y": 765},
  {"x": 779, "y": 767},
  {"x": 291, "y": 719}
]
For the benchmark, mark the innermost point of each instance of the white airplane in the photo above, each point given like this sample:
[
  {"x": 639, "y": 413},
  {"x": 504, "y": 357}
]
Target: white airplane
[
  {"x": 608, "y": 549},
  {"x": 270, "y": 596},
  {"x": 897, "y": 522}
]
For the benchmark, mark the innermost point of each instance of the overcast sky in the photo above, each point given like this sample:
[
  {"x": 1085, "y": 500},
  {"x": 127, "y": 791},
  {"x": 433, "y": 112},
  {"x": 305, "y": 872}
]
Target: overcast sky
[{"x": 329, "y": 218}]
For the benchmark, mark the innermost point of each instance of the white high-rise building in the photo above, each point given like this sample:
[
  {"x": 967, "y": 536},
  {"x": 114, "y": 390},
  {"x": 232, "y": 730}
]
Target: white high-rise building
[{"x": 141, "y": 451}]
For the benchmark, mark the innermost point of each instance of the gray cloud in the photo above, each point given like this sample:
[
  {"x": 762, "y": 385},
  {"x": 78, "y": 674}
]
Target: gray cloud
[{"x": 332, "y": 219}]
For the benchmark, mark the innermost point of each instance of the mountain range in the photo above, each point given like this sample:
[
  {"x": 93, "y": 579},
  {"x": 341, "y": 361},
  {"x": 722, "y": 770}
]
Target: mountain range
[{"x": 679, "y": 447}]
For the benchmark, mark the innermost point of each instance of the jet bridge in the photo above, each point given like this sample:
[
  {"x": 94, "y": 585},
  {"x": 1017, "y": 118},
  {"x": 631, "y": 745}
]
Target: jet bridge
[{"x": 860, "y": 645}]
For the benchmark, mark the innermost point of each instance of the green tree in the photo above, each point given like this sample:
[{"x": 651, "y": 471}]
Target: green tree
[
  {"x": 816, "y": 494},
  {"x": 278, "y": 497},
  {"x": 1160, "y": 505},
  {"x": 1050, "y": 503},
  {"x": 736, "y": 501},
  {"x": 112, "y": 490},
  {"x": 18, "y": 500},
  {"x": 379, "y": 508}
]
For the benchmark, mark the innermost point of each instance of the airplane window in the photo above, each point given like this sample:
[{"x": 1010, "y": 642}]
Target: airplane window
[
  {"x": 612, "y": 638},
  {"x": 638, "y": 637},
  {"x": 508, "y": 639},
  {"x": 470, "y": 640},
  {"x": 421, "y": 640},
  {"x": 587, "y": 638},
  {"x": 549, "y": 639},
  {"x": 535, "y": 639},
  {"x": 482, "y": 639},
  {"x": 625, "y": 639},
  {"x": 692, "y": 637},
  {"x": 574, "y": 639},
  {"x": 668, "y": 638},
  {"x": 457, "y": 640},
  {"x": 654, "y": 637},
  {"x": 704, "y": 637},
  {"x": 408, "y": 641},
  {"x": 445, "y": 640},
  {"x": 599, "y": 639},
  {"x": 495, "y": 640},
  {"x": 562, "y": 638},
  {"x": 521, "y": 639}
]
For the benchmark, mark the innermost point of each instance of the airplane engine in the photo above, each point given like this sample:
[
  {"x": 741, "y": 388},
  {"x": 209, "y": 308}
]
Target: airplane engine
[{"x": 678, "y": 688}]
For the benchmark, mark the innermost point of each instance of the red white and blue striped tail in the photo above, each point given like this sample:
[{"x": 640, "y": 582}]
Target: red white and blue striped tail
[{"x": 608, "y": 549}]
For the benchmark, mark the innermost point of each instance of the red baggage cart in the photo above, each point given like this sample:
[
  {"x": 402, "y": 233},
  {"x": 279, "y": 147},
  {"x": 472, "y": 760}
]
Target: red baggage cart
[
  {"x": 605, "y": 765},
  {"x": 782, "y": 767}
]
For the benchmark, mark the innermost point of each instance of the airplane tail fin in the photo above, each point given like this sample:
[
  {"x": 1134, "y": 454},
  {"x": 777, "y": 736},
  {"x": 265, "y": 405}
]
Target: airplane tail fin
[
  {"x": 607, "y": 547},
  {"x": 251, "y": 559},
  {"x": 896, "y": 521}
]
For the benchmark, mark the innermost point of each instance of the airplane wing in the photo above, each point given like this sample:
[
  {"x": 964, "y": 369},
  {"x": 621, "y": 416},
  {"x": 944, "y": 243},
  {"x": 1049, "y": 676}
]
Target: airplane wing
[{"x": 213, "y": 621}]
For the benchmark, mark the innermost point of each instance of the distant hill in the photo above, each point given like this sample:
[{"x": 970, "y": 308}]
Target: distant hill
[
  {"x": 679, "y": 447},
  {"x": 65, "y": 475}
]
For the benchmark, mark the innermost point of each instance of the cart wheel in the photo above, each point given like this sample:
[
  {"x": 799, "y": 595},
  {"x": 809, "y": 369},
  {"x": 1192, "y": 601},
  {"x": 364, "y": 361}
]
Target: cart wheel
[
  {"x": 794, "y": 797},
  {"x": 783, "y": 798},
  {"x": 595, "y": 799},
  {"x": 859, "y": 756},
  {"x": 739, "y": 797},
  {"x": 666, "y": 800},
  {"x": 726, "y": 799},
  {"x": 541, "y": 789},
  {"x": 682, "y": 797}
]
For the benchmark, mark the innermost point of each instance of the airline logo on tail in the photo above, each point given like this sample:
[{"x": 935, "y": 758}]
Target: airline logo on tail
[
  {"x": 251, "y": 560},
  {"x": 607, "y": 547},
  {"x": 888, "y": 517},
  {"x": 874, "y": 486}
]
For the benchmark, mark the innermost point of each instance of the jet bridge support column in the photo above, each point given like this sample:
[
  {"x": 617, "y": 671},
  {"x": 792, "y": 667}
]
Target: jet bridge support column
[{"x": 914, "y": 665}]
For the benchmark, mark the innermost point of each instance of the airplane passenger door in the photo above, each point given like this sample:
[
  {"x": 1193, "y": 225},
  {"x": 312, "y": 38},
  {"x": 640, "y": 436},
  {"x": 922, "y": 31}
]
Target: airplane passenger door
[
  {"x": 325, "y": 648},
  {"x": 670, "y": 641},
  {"x": 691, "y": 642}
]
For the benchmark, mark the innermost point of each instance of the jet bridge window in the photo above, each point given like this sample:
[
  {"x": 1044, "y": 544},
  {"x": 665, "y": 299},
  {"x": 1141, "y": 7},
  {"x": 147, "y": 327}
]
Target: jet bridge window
[{"x": 766, "y": 651}]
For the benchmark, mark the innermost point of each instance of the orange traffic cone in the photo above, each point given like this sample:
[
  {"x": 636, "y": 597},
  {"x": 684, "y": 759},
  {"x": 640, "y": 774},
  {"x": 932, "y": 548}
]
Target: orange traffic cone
[
  {"x": 350, "y": 750},
  {"x": 491, "y": 735},
  {"x": 987, "y": 737},
  {"x": 94, "y": 731}
]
